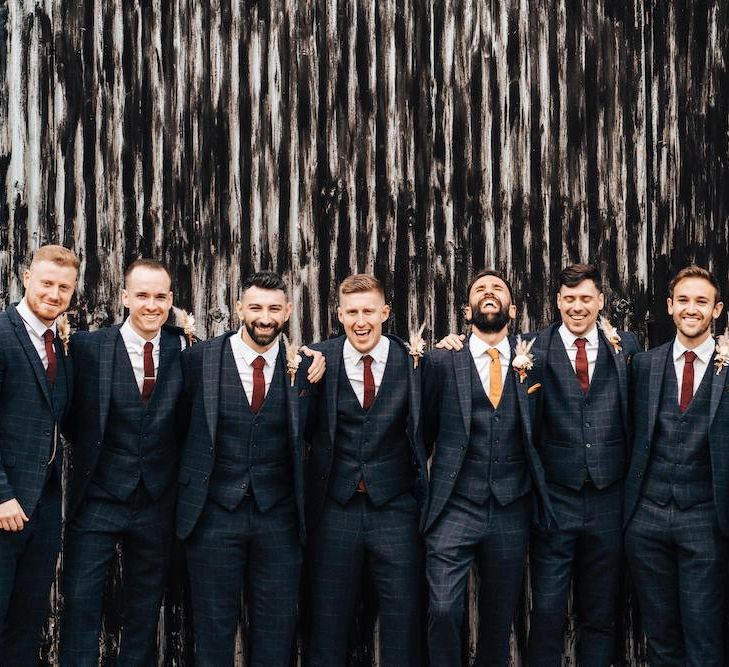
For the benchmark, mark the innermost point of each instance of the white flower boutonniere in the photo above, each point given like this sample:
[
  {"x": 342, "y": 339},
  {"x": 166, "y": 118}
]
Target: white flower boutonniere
[
  {"x": 523, "y": 357},
  {"x": 293, "y": 358},
  {"x": 611, "y": 333},
  {"x": 186, "y": 321},
  {"x": 416, "y": 346},
  {"x": 721, "y": 358},
  {"x": 64, "y": 331}
]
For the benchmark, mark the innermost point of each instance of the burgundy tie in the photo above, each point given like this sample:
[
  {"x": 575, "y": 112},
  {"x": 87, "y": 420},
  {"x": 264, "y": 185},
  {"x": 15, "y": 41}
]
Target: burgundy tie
[
  {"x": 259, "y": 384},
  {"x": 148, "y": 383},
  {"x": 369, "y": 382},
  {"x": 687, "y": 383},
  {"x": 583, "y": 376},
  {"x": 52, "y": 368}
]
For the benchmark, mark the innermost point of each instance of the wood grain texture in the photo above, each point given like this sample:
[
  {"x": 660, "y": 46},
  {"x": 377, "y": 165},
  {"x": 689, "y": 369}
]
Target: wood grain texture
[{"x": 416, "y": 139}]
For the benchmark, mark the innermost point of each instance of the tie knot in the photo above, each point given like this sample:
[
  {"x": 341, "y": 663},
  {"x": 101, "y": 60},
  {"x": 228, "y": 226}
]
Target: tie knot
[
  {"x": 493, "y": 353},
  {"x": 48, "y": 336},
  {"x": 258, "y": 363},
  {"x": 580, "y": 342},
  {"x": 689, "y": 356},
  {"x": 148, "y": 346},
  {"x": 367, "y": 360}
]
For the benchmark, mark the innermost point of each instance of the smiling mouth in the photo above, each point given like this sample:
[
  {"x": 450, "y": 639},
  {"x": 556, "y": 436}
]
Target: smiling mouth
[{"x": 361, "y": 333}]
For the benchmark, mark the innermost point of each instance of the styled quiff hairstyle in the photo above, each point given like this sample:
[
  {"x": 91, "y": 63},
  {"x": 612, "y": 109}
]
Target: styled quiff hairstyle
[
  {"x": 694, "y": 271},
  {"x": 263, "y": 280},
  {"x": 146, "y": 264},
  {"x": 574, "y": 274},
  {"x": 56, "y": 254},
  {"x": 360, "y": 282}
]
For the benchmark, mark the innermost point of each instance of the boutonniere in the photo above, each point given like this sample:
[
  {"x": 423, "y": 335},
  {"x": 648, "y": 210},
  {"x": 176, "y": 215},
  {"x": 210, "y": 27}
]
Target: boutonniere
[
  {"x": 64, "y": 331},
  {"x": 722, "y": 352},
  {"x": 416, "y": 345},
  {"x": 293, "y": 358},
  {"x": 523, "y": 357},
  {"x": 186, "y": 322},
  {"x": 611, "y": 333}
]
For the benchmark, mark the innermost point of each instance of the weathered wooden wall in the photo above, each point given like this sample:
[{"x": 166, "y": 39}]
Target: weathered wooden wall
[{"x": 418, "y": 139}]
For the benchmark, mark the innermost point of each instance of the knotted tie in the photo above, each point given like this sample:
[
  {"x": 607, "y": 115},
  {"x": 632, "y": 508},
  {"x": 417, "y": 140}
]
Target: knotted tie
[
  {"x": 581, "y": 366},
  {"x": 687, "y": 383},
  {"x": 259, "y": 384},
  {"x": 148, "y": 383},
  {"x": 52, "y": 368},
  {"x": 369, "y": 382},
  {"x": 495, "y": 384}
]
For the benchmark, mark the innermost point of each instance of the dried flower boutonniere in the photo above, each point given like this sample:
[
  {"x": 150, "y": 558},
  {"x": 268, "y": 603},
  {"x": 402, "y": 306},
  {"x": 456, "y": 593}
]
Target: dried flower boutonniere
[
  {"x": 721, "y": 358},
  {"x": 523, "y": 357},
  {"x": 416, "y": 346},
  {"x": 293, "y": 358},
  {"x": 611, "y": 333},
  {"x": 64, "y": 331},
  {"x": 186, "y": 321}
]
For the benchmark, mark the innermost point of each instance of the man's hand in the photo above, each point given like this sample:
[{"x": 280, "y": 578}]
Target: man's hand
[
  {"x": 318, "y": 364},
  {"x": 451, "y": 342},
  {"x": 12, "y": 517}
]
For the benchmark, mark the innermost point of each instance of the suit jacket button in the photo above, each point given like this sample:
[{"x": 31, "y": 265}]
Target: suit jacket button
[
  {"x": 324, "y": 477},
  {"x": 205, "y": 478},
  {"x": 452, "y": 475},
  {"x": 588, "y": 445},
  {"x": 640, "y": 474},
  {"x": 48, "y": 434}
]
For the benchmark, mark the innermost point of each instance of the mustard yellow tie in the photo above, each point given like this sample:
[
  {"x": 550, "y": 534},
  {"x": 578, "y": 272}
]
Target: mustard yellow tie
[{"x": 495, "y": 388}]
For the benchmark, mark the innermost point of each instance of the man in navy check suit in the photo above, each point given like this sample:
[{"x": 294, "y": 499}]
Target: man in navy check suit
[
  {"x": 123, "y": 429},
  {"x": 366, "y": 484},
  {"x": 677, "y": 487},
  {"x": 241, "y": 481},
  {"x": 485, "y": 477},
  {"x": 36, "y": 384},
  {"x": 582, "y": 442}
]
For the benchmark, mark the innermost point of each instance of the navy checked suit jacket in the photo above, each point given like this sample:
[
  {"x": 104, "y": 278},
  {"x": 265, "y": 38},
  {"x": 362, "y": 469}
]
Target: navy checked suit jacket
[
  {"x": 646, "y": 383},
  {"x": 321, "y": 429},
  {"x": 447, "y": 402},
  {"x": 93, "y": 354},
  {"x": 27, "y": 419},
  {"x": 571, "y": 391},
  {"x": 201, "y": 368}
]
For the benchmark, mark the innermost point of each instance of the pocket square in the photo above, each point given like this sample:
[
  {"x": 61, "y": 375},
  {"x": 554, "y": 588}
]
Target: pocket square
[{"x": 534, "y": 387}]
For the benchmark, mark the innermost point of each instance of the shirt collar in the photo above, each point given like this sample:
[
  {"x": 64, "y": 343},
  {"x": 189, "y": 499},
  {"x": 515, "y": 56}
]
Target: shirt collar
[
  {"x": 134, "y": 340},
  {"x": 379, "y": 352},
  {"x": 479, "y": 347},
  {"x": 569, "y": 338},
  {"x": 703, "y": 351},
  {"x": 32, "y": 321},
  {"x": 250, "y": 355}
]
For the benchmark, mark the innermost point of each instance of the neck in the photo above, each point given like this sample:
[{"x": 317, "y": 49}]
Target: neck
[
  {"x": 246, "y": 338},
  {"x": 489, "y": 338},
  {"x": 692, "y": 342},
  {"x": 146, "y": 335}
]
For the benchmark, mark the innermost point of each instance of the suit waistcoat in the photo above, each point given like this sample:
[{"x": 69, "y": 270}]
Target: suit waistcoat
[
  {"x": 373, "y": 445},
  {"x": 251, "y": 450},
  {"x": 495, "y": 461},
  {"x": 680, "y": 466},
  {"x": 583, "y": 435}
]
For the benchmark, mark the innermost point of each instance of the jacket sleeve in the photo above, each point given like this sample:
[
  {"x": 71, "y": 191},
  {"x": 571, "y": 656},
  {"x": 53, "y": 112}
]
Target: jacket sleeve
[
  {"x": 431, "y": 386},
  {"x": 6, "y": 491}
]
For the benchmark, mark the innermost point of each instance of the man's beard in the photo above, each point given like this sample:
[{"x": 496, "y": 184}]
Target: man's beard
[
  {"x": 489, "y": 322},
  {"x": 263, "y": 339}
]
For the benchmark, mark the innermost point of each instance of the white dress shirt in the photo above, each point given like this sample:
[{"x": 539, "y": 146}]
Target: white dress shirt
[
  {"x": 701, "y": 363},
  {"x": 479, "y": 351},
  {"x": 35, "y": 329},
  {"x": 135, "y": 349},
  {"x": 354, "y": 366},
  {"x": 591, "y": 347},
  {"x": 245, "y": 355}
]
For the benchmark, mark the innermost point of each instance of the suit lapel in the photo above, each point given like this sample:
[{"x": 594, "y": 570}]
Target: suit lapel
[
  {"x": 621, "y": 369},
  {"x": 655, "y": 382},
  {"x": 564, "y": 368},
  {"x": 167, "y": 352},
  {"x": 462, "y": 367},
  {"x": 30, "y": 351},
  {"x": 334, "y": 362},
  {"x": 107, "y": 354},
  {"x": 522, "y": 397},
  {"x": 291, "y": 393},
  {"x": 717, "y": 388},
  {"x": 212, "y": 361}
]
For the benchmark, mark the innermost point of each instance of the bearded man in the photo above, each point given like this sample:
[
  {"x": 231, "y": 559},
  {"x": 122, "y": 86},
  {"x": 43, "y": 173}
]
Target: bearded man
[
  {"x": 241, "y": 484},
  {"x": 485, "y": 475}
]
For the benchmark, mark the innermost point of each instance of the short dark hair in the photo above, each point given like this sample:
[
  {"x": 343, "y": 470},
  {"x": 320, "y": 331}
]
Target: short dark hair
[
  {"x": 694, "y": 271},
  {"x": 489, "y": 272},
  {"x": 263, "y": 280},
  {"x": 145, "y": 263},
  {"x": 574, "y": 274}
]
